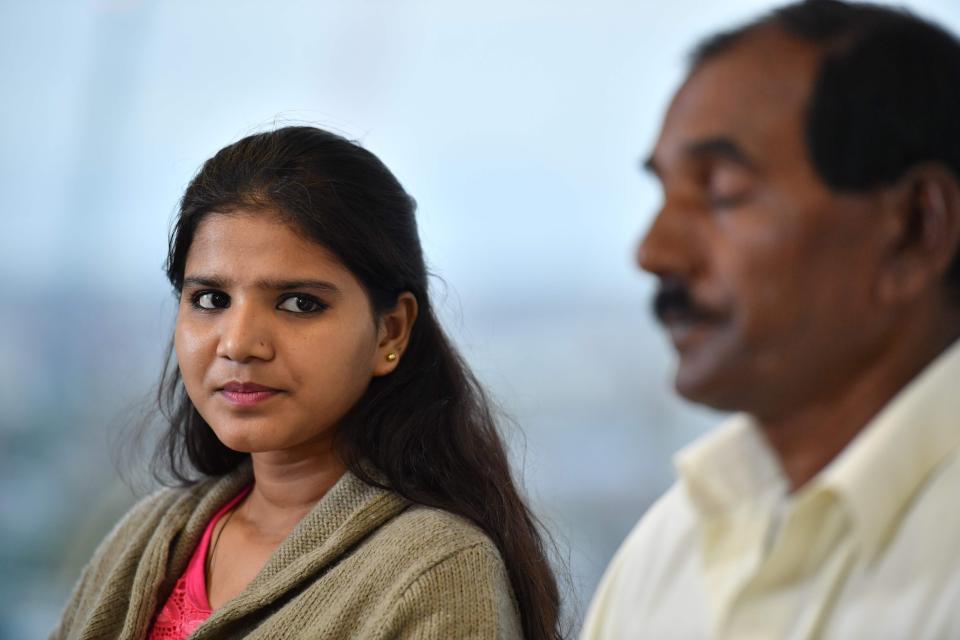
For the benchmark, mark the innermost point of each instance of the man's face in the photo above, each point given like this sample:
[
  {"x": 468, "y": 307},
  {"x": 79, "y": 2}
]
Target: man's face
[{"x": 767, "y": 276}]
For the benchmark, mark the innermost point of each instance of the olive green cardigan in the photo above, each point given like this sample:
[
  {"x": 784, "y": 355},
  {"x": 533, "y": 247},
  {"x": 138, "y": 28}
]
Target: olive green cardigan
[{"x": 364, "y": 563}]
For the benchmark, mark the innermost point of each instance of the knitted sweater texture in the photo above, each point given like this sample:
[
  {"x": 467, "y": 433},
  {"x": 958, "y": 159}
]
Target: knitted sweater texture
[{"x": 364, "y": 563}]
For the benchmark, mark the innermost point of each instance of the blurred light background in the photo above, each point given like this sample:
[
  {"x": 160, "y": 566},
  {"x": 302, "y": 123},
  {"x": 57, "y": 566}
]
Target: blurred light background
[{"x": 517, "y": 125}]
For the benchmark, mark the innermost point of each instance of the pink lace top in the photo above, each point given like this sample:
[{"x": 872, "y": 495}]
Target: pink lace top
[{"x": 188, "y": 606}]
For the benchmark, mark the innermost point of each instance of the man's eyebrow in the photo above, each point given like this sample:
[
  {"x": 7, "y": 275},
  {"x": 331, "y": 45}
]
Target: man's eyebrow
[
  {"x": 650, "y": 166},
  {"x": 722, "y": 148},
  {"x": 709, "y": 147},
  {"x": 215, "y": 282}
]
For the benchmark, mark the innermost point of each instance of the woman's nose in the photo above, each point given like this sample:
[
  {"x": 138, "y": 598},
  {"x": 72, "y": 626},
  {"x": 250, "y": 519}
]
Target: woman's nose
[{"x": 245, "y": 334}]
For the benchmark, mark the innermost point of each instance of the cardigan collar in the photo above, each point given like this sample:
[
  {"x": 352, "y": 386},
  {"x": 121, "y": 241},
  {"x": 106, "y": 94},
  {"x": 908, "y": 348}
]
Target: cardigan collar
[{"x": 350, "y": 511}]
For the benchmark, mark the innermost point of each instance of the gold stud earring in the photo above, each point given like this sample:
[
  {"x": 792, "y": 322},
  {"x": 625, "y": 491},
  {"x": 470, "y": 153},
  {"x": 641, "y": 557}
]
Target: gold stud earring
[{"x": 391, "y": 357}]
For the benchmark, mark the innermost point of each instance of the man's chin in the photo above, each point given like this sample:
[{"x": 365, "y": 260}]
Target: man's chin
[
  {"x": 696, "y": 335},
  {"x": 708, "y": 386}
]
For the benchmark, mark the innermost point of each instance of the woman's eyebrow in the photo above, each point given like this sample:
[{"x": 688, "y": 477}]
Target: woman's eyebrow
[
  {"x": 216, "y": 282},
  {"x": 204, "y": 281},
  {"x": 284, "y": 285}
]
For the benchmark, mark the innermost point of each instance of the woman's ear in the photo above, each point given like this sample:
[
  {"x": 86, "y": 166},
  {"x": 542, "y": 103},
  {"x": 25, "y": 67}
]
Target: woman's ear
[
  {"x": 925, "y": 233},
  {"x": 393, "y": 333}
]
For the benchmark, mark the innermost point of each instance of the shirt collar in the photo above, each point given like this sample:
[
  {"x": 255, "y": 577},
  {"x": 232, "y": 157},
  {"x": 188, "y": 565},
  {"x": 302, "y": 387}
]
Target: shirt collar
[
  {"x": 875, "y": 475},
  {"x": 728, "y": 467},
  {"x": 886, "y": 464}
]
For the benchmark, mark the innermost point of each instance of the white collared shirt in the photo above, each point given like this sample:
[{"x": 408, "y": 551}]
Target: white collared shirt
[{"x": 869, "y": 548}]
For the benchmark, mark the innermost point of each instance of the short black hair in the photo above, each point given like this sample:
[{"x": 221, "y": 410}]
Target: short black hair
[{"x": 887, "y": 93}]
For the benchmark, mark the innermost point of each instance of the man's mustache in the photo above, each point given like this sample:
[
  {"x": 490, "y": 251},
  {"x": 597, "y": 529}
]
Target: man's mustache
[{"x": 673, "y": 301}]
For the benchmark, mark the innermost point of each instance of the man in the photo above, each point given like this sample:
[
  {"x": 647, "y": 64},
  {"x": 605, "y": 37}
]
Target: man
[{"x": 808, "y": 254}]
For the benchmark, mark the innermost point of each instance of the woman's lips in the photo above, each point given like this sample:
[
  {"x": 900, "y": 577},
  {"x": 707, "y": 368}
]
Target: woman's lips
[{"x": 247, "y": 394}]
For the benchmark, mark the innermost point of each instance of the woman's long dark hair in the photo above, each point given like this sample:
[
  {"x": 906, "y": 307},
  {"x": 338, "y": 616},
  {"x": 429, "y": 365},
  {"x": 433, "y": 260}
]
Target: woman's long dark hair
[{"x": 427, "y": 428}]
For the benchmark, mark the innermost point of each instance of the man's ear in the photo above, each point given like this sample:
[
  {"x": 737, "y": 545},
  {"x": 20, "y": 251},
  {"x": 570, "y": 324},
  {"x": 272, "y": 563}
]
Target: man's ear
[
  {"x": 924, "y": 218},
  {"x": 393, "y": 333}
]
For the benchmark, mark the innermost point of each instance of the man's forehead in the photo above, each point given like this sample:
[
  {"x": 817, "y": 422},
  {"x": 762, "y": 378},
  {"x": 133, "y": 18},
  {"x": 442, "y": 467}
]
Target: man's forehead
[{"x": 751, "y": 94}]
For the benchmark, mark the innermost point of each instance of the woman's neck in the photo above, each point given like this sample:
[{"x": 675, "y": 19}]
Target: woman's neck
[{"x": 286, "y": 487}]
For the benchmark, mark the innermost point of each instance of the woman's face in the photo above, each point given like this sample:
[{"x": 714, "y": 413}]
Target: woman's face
[{"x": 275, "y": 338}]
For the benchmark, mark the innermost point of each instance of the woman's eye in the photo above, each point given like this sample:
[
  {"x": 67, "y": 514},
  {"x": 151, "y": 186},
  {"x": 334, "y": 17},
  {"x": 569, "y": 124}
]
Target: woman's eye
[
  {"x": 301, "y": 304},
  {"x": 211, "y": 300}
]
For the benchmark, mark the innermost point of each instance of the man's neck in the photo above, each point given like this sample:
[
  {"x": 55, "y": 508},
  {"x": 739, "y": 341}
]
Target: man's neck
[{"x": 809, "y": 437}]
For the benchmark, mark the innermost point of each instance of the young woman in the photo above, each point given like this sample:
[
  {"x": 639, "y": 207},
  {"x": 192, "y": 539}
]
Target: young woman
[{"x": 340, "y": 472}]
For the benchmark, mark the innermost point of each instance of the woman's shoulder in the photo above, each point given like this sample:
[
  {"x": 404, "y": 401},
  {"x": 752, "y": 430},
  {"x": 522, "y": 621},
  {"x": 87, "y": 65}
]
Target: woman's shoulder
[
  {"x": 445, "y": 563},
  {"x": 151, "y": 515},
  {"x": 117, "y": 553},
  {"x": 433, "y": 535},
  {"x": 159, "y": 500},
  {"x": 175, "y": 504},
  {"x": 141, "y": 519},
  {"x": 155, "y": 501}
]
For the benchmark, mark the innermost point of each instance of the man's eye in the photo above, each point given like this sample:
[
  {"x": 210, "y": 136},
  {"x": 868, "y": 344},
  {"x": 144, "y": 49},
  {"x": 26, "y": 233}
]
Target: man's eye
[
  {"x": 727, "y": 201},
  {"x": 211, "y": 300},
  {"x": 301, "y": 303},
  {"x": 728, "y": 187}
]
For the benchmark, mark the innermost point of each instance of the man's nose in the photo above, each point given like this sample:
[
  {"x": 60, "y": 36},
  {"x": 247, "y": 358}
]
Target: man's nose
[
  {"x": 245, "y": 334},
  {"x": 671, "y": 246}
]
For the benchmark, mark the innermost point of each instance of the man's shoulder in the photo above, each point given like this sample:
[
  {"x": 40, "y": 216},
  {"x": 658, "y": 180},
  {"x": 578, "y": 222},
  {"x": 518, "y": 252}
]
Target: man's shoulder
[
  {"x": 928, "y": 532},
  {"x": 668, "y": 527},
  {"x": 652, "y": 582}
]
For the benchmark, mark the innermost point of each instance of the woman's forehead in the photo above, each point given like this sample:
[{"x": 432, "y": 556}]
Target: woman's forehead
[{"x": 257, "y": 242}]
